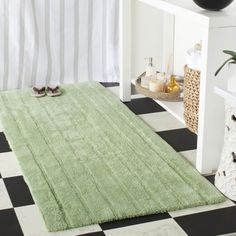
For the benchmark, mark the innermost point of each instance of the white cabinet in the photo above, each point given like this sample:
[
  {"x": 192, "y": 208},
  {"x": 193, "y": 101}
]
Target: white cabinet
[
  {"x": 225, "y": 179},
  {"x": 184, "y": 24}
]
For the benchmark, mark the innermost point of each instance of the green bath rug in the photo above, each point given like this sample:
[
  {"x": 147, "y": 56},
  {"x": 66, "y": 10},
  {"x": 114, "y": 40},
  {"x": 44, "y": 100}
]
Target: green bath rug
[{"x": 87, "y": 159}]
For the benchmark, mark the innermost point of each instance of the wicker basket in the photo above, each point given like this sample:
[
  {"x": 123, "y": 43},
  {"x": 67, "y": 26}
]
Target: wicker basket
[
  {"x": 173, "y": 97},
  {"x": 191, "y": 98}
]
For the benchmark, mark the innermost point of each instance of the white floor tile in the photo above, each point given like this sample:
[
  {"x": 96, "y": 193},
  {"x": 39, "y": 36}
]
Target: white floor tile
[
  {"x": 136, "y": 96},
  {"x": 115, "y": 90},
  {"x": 191, "y": 156},
  {"x": 32, "y": 224},
  {"x": 9, "y": 166},
  {"x": 166, "y": 227},
  {"x": 161, "y": 121},
  {"x": 5, "y": 202},
  {"x": 195, "y": 210}
]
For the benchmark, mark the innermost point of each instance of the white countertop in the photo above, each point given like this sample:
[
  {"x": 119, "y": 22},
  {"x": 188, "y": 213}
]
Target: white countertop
[
  {"x": 227, "y": 95},
  {"x": 189, "y": 9}
]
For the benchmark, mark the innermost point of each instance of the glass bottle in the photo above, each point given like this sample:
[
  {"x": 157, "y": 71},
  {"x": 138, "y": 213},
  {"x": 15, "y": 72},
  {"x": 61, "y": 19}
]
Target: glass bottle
[{"x": 172, "y": 86}]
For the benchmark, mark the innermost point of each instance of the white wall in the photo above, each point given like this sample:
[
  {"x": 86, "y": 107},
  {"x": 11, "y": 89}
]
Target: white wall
[
  {"x": 186, "y": 36},
  {"x": 147, "y": 31}
]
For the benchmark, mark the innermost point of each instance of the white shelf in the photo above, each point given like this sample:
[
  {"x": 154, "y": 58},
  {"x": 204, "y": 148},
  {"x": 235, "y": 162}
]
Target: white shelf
[
  {"x": 227, "y": 95},
  {"x": 174, "y": 108},
  {"x": 189, "y": 9}
]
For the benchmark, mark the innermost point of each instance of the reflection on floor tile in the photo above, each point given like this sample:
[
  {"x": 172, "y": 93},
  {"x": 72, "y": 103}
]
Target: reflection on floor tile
[
  {"x": 166, "y": 227},
  {"x": 161, "y": 121}
]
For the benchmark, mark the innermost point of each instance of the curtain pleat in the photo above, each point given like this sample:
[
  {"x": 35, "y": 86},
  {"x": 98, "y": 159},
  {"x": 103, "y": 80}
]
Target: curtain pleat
[
  {"x": 104, "y": 40},
  {"x": 90, "y": 35},
  {"x": 21, "y": 43},
  {"x": 76, "y": 40},
  {"x": 35, "y": 33},
  {"x": 5, "y": 45},
  {"x": 62, "y": 40},
  {"x": 48, "y": 42}
]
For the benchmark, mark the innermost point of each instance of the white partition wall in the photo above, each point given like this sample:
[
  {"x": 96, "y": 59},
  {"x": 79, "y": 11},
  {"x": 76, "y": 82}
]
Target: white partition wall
[
  {"x": 147, "y": 37},
  {"x": 186, "y": 34},
  {"x": 137, "y": 41}
]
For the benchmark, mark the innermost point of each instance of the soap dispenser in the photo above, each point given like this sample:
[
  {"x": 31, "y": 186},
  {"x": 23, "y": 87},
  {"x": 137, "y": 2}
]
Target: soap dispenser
[
  {"x": 194, "y": 57},
  {"x": 150, "y": 69}
]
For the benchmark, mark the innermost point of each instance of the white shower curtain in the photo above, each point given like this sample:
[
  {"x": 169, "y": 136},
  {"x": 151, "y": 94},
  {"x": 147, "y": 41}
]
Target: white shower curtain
[{"x": 57, "y": 41}]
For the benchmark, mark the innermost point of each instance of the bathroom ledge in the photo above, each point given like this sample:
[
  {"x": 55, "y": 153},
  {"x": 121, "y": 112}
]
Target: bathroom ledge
[{"x": 227, "y": 95}]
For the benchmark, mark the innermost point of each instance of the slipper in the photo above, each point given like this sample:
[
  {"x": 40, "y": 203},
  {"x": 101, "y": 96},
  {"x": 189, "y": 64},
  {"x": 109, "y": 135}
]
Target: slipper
[
  {"x": 53, "y": 92},
  {"x": 38, "y": 92}
]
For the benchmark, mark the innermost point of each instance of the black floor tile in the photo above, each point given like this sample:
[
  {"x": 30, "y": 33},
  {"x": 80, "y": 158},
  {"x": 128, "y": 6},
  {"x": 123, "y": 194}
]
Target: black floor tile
[
  {"x": 9, "y": 225},
  {"x": 93, "y": 234},
  {"x": 109, "y": 84},
  {"x": 18, "y": 191},
  {"x": 4, "y": 146},
  {"x": 180, "y": 139},
  {"x": 143, "y": 105},
  {"x": 209, "y": 223},
  {"x": 134, "y": 221},
  {"x": 211, "y": 178}
]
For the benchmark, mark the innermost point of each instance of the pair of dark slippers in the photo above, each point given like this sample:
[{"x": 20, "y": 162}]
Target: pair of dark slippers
[{"x": 49, "y": 91}]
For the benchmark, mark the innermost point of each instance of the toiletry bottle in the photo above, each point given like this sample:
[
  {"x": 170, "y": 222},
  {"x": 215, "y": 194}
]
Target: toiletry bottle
[
  {"x": 150, "y": 74},
  {"x": 172, "y": 86},
  {"x": 150, "y": 69},
  {"x": 157, "y": 84},
  {"x": 194, "y": 57},
  {"x": 153, "y": 85},
  {"x": 161, "y": 81},
  {"x": 145, "y": 82}
]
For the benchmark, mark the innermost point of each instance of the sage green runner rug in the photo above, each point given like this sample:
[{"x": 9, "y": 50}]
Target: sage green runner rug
[{"x": 88, "y": 159}]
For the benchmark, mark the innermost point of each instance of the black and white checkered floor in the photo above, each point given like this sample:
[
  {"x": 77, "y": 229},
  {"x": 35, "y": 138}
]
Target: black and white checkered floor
[{"x": 20, "y": 216}]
